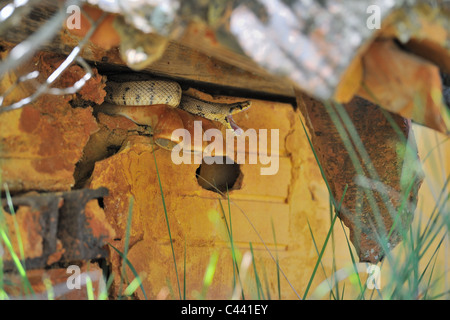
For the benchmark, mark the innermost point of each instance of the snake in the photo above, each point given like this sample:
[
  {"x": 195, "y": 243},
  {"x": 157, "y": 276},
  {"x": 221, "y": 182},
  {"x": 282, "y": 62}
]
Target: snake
[{"x": 154, "y": 92}]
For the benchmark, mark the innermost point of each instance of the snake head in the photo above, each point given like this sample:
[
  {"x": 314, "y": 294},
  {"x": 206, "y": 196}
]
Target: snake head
[
  {"x": 236, "y": 108},
  {"x": 239, "y": 107}
]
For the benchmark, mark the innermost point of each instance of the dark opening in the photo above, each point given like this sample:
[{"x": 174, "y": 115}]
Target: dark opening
[
  {"x": 85, "y": 167},
  {"x": 219, "y": 175},
  {"x": 101, "y": 203},
  {"x": 8, "y": 209}
]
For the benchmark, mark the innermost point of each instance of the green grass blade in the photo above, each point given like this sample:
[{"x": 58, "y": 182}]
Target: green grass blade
[
  {"x": 170, "y": 288},
  {"x": 209, "y": 274},
  {"x": 89, "y": 288},
  {"x": 133, "y": 270},
  {"x": 428, "y": 287},
  {"x": 132, "y": 287},
  {"x": 2, "y": 285},
  {"x": 16, "y": 226},
  {"x": 259, "y": 290},
  {"x": 277, "y": 261},
  {"x": 127, "y": 241},
  {"x": 233, "y": 253},
  {"x": 266, "y": 281},
  {"x": 438, "y": 296},
  {"x": 318, "y": 254},
  {"x": 233, "y": 244},
  {"x": 352, "y": 256},
  {"x": 319, "y": 259},
  {"x": 184, "y": 271},
  {"x": 334, "y": 295},
  {"x": 233, "y": 249},
  {"x": 103, "y": 295},
  {"x": 168, "y": 225},
  {"x": 49, "y": 288},
  {"x": 18, "y": 264}
]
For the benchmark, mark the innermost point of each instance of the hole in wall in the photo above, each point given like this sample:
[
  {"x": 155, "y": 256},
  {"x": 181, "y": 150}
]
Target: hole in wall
[
  {"x": 218, "y": 174},
  {"x": 85, "y": 167},
  {"x": 101, "y": 202},
  {"x": 7, "y": 208}
]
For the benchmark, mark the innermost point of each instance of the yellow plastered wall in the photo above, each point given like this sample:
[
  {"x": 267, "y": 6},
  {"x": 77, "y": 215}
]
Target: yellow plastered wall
[{"x": 282, "y": 204}]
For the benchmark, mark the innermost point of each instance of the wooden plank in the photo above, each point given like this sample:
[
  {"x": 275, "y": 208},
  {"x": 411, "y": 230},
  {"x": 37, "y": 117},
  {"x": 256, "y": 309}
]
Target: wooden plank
[{"x": 180, "y": 62}]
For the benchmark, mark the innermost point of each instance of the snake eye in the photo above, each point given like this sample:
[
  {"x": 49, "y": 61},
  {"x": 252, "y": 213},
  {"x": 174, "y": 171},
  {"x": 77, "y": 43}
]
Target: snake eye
[{"x": 240, "y": 106}]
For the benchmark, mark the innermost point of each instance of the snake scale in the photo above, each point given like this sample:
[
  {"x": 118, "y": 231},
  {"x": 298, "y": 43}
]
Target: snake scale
[{"x": 153, "y": 92}]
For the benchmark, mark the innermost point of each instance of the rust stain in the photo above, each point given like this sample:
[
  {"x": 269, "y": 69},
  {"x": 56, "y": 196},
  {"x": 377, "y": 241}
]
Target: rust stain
[
  {"x": 210, "y": 35},
  {"x": 29, "y": 119},
  {"x": 56, "y": 256}
]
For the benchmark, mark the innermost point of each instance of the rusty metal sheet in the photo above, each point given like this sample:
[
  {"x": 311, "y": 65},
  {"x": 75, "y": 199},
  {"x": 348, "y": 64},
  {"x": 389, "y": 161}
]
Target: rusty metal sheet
[
  {"x": 62, "y": 231},
  {"x": 41, "y": 229},
  {"x": 379, "y": 184}
]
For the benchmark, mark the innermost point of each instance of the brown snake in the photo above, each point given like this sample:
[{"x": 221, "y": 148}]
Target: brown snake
[{"x": 153, "y": 92}]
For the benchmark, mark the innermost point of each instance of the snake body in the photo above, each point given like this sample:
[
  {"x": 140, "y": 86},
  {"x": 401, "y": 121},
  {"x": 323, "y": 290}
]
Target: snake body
[{"x": 153, "y": 92}]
